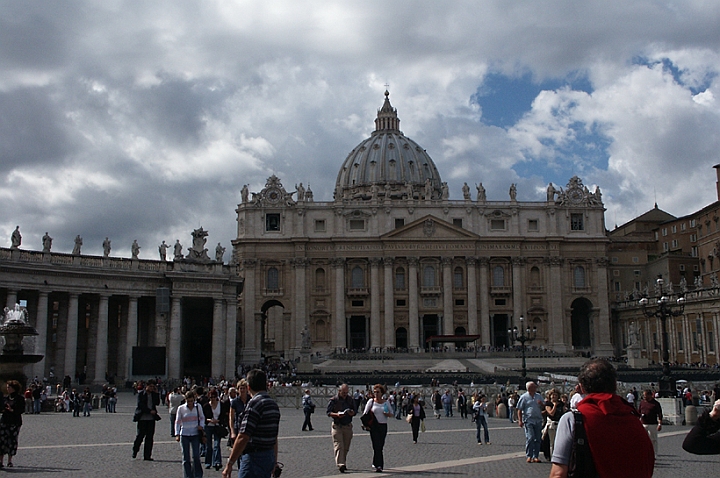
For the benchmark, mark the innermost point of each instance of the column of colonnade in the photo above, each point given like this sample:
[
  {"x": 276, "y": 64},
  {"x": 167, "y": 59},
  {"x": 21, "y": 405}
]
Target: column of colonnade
[
  {"x": 249, "y": 309},
  {"x": 71, "y": 337},
  {"x": 175, "y": 336},
  {"x": 217, "y": 366},
  {"x": 484, "y": 302},
  {"x": 518, "y": 289},
  {"x": 230, "y": 334},
  {"x": 101, "y": 340},
  {"x": 41, "y": 327},
  {"x": 131, "y": 336}
]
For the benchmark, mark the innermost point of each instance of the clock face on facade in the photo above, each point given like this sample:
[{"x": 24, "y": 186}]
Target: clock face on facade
[
  {"x": 273, "y": 195},
  {"x": 575, "y": 195}
]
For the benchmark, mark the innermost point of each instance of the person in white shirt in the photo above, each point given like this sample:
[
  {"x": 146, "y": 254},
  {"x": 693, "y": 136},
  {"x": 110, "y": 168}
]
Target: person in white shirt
[{"x": 189, "y": 424}]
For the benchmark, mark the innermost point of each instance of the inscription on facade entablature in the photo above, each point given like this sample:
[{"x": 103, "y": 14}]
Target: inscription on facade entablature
[
  {"x": 499, "y": 247},
  {"x": 359, "y": 247},
  {"x": 319, "y": 248},
  {"x": 430, "y": 247},
  {"x": 534, "y": 247}
]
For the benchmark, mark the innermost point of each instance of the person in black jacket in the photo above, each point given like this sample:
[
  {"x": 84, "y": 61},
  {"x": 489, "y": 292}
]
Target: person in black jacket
[
  {"x": 146, "y": 415},
  {"x": 704, "y": 438},
  {"x": 13, "y": 406}
]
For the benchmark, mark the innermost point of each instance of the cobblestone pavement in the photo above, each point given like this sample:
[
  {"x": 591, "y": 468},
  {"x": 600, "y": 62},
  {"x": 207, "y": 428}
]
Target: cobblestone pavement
[{"x": 101, "y": 445}]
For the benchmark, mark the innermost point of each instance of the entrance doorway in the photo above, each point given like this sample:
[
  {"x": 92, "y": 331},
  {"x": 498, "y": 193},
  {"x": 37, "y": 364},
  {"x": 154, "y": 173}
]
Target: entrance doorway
[
  {"x": 358, "y": 333},
  {"x": 196, "y": 350},
  {"x": 271, "y": 332},
  {"x": 430, "y": 327},
  {"x": 499, "y": 330},
  {"x": 581, "y": 323}
]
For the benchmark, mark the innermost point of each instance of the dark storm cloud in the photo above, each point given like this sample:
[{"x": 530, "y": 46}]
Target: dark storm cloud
[{"x": 32, "y": 130}]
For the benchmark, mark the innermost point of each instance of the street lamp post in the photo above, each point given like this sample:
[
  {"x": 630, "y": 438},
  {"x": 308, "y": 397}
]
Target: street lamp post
[
  {"x": 663, "y": 310},
  {"x": 522, "y": 335}
]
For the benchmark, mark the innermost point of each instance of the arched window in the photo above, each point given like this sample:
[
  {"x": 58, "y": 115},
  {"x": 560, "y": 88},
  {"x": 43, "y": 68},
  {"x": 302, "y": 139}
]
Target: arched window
[
  {"x": 535, "y": 277},
  {"x": 400, "y": 278},
  {"x": 458, "y": 279},
  {"x": 320, "y": 331},
  {"x": 320, "y": 278},
  {"x": 358, "y": 278},
  {"x": 537, "y": 323},
  {"x": 273, "y": 281},
  {"x": 429, "y": 276},
  {"x": 579, "y": 277},
  {"x": 498, "y": 276}
]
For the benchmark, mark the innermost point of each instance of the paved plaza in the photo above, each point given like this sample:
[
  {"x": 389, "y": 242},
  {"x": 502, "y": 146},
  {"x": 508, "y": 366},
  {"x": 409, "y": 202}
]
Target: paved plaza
[{"x": 100, "y": 446}]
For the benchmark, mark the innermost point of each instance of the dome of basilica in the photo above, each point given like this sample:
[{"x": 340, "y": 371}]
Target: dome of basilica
[{"x": 388, "y": 164}]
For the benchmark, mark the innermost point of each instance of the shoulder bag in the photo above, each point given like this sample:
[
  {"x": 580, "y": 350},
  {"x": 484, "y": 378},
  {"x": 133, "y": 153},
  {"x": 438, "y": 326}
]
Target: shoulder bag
[{"x": 368, "y": 418}]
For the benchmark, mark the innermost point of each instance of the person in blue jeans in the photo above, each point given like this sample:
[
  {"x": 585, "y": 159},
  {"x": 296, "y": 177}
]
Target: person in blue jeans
[
  {"x": 213, "y": 414},
  {"x": 189, "y": 423},
  {"x": 480, "y": 417},
  {"x": 530, "y": 407}
]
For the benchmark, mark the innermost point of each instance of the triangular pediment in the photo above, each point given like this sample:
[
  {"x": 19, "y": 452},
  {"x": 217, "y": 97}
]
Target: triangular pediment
[{"x": 430, "y": 228}]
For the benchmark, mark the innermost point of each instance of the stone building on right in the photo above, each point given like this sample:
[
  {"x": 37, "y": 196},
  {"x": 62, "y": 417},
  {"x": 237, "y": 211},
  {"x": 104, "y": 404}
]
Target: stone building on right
[{"x": 685, "y": 253}]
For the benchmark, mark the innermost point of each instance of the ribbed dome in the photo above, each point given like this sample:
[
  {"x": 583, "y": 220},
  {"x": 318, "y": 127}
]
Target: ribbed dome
[{"x": 387, "y": 164}]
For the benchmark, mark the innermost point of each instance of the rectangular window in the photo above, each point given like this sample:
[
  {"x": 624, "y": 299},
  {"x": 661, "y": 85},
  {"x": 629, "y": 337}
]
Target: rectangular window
[
  {"x": 319, "y": 225},
  {"x": 693, "y": 237},
  {"x": 681, "y": 346},
  {"x": 533, "y": 225},
  {"x": 497, "y": 224},
  {"x": 637, "y": 285},
  {"x": 399, "y": 222},
  {"x": 636, "y": 272},
  {"x": 694, "y": 251},
  {"x": 358, "y": 303},
  {"x": 711, "y": 341},
  {"x": 400, "y": 302},
  {"x": 682, "y": 267},
  {"x": 683, "y": 226},
  {"x": 674, "y": 229},
  {"x": 635, "y": 260},
  {"x": 666, "y": 247},
  {"x": 617, "y": 286},
  {"x": 695, "y": 269},
  {"x": 674, "y": 243},
  {"x": 459, "y": 301},
  {"x": 272, "y": 222},
  {"x": 457, "y": 222},
  {"x": 499, "y": 301},
  {"x": 357, "y": 224},
  {"x": 576, "y": 222},
  {"x": 616, "y": 273},
  {"x": 656, "y": 235},
  {"x": 655, "y": 341},
  {"x": 615, "y": 260},
  {"x": 664, "y": 231},
  {"x": 692, "y": 223}
]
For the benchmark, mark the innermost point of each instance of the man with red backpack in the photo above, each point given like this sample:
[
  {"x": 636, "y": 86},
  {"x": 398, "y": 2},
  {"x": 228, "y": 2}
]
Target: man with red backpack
[{"x": 605, "y": 438}]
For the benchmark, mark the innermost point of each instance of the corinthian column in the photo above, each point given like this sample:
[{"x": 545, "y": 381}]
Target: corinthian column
[
  {"x": 175, "y": 336},
  {"x": 518, "y": 287},
  {"x": 131, "y": 337},
  {"x": 41, "y": 327},
  {"x": 217, "y": 364},
  {"x": 448, "y": 328},
  {"x": 389, "y": 303},
  {"x": 414, "y": 326},
  {"x": 555, "y": 309},
  {"x": 484, "y": 302},
  {"x": 71, "y": 337},
  {"x": 230, "y": 335},
  {"x": 340, "y": 319},
  {"x": 472, "y": 296},
  {"x": 250, "y": 352},
  {"x": 101, "y": 348},
  {"x": 603, "y": 347},
  {"x": 300, "y": 315},
  {"x": 375, "y": 302}
]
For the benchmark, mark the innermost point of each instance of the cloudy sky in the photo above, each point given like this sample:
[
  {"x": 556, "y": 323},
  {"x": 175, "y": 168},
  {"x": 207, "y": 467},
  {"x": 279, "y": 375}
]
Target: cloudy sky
[{"x": 143, "y": 119}]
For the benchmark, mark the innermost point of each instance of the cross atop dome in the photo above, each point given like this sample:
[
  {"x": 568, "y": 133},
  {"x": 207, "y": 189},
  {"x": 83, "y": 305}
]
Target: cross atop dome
[{"x": 387, "y": 119}]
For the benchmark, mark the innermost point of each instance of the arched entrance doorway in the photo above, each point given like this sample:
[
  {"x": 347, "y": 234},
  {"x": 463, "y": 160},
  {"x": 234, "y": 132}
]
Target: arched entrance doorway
[
  {"x": 271, "y": 332},
  {"x": 401, "y": 338},
  {"x": 581, "y": 323}
]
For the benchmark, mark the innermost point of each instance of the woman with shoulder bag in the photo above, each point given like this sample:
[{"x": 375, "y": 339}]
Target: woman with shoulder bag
[
  {"x": 212, "y": 412},
  {"x": 189, "y": 429},
  {"x": 417, "y": 414},
  {"x": 11, "y": 421},
  {"x": 378, "y": 431}
]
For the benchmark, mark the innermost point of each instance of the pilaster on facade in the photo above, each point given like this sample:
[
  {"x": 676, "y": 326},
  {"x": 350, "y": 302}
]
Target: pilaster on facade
[
  {"x": 389, "y": 305},
  {"x": 413, "y": 309},
  {"x": 101, "y": 341},
  {"x": 340, "y": 337}
]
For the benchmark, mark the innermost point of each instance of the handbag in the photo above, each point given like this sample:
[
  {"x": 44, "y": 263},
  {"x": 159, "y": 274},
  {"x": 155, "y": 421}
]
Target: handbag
[
  {"x": 222, "y": 431},
  {"x": 408, "y": 418},
  {"x": 422, "y": 426},
  {"x": 368, "y": 419}
]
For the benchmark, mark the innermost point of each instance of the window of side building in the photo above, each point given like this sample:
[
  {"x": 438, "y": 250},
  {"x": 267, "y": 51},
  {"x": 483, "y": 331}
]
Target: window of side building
[
  {"x": 577, "y": 222},
  {"x": 320, "y": 225},
  {"x": 533, "y": 225}
]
